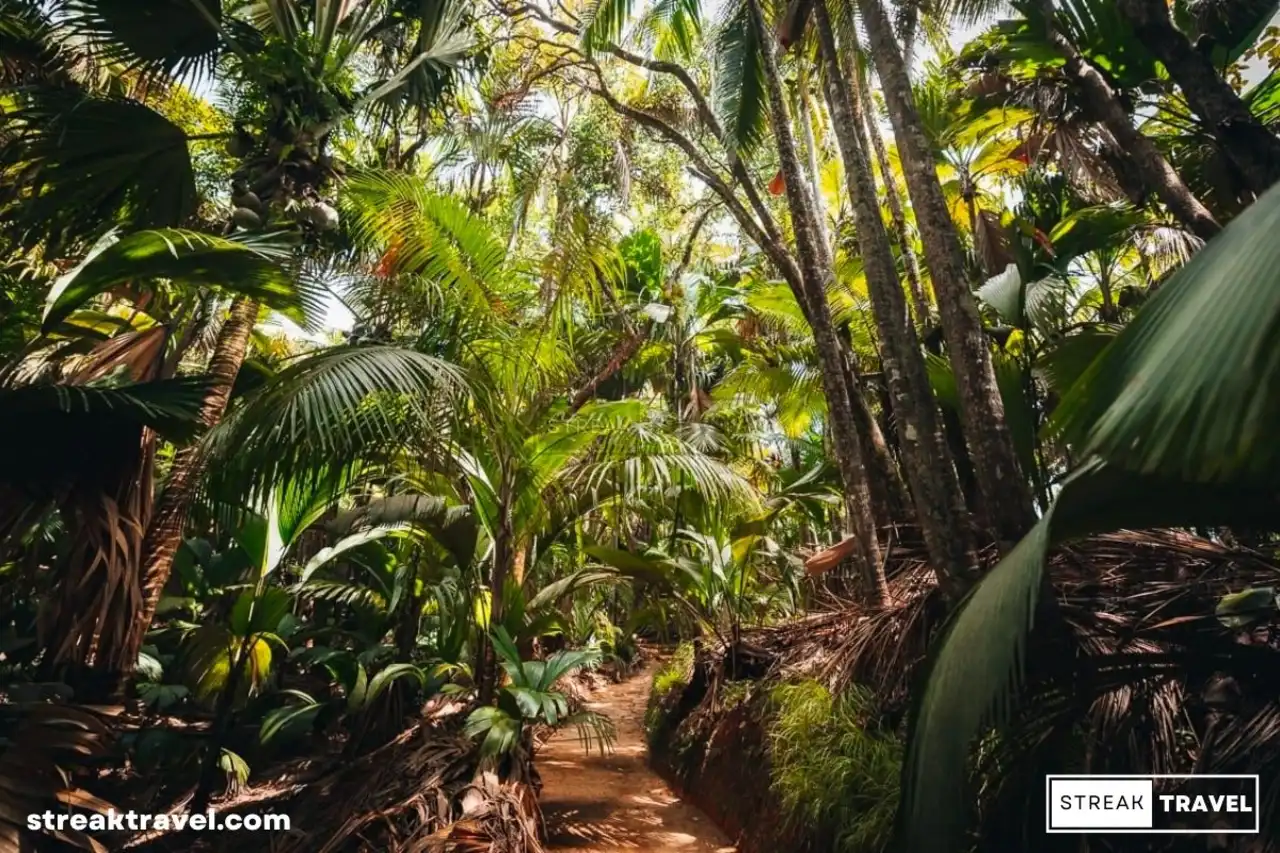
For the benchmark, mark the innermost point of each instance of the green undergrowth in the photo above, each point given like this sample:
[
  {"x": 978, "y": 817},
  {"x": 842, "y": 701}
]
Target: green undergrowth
[
  {"x": 829, "y": 771},
  {"x": 671, "y": 678}
]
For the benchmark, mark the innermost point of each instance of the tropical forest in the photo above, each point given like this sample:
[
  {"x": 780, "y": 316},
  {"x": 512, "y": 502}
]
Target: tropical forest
[{"x": 639, "y": 426}]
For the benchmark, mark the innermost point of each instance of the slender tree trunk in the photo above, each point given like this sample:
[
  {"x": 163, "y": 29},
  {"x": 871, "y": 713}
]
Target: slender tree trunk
[
  {"x": 1253, "y": 148},
  {"x": 1005, "y": 498},
  {"x": 626, "y": 349},
  {"x": 815, "y": 278},
  {"x": 168, "y": 522},
  {"x": 889, "y": 501},
  {"x": 936, "y": 492},
  {"x": 1104, "y": 107},
  {"x": 811, "y": 153},
  {"x": 765, "y": 234},
  {"x": 910, "y": 261},
  {"x": 504, "y": 564}
]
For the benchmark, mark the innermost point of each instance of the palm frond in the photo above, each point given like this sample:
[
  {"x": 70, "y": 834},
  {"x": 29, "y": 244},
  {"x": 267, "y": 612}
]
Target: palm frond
[
  {"x": 338, "y": 404},
  {"x": 1189, "y": 388},
  {"x": 91, "y": 163},
  {"x": 454, "y": 527},
  {"x": 166, "y": 36},
  {"x": 603, "y": 21},
  {"x": 29, "y": 51},
  {"x": 186, "y": 258},
  {"x": 427, "y": 234},
  {"x": 738, "y": 83},
  {"x": 678, "y": 27},
  {"x": 1176, "y": 434}
]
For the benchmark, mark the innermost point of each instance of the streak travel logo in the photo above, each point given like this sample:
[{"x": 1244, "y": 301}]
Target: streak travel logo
[{"x": 1159, "y": 804}]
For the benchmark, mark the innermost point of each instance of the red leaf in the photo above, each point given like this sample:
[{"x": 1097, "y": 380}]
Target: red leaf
[{"x": 778, "y": 184}]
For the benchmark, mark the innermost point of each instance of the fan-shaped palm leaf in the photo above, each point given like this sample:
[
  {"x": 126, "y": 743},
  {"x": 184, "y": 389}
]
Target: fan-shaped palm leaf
[
  {"x": 335, "y": 405},
  {"x": 169, "y": 36},
  {"x": 94, "y": 162}
]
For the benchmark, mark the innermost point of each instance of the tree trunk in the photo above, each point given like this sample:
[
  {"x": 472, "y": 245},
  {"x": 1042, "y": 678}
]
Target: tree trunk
[
  {"x": 889, "y": 501},
  {"x": 811, "y": 153},
  {"x": 768, "y": 238},
  {"x": 1253, "y": 148},
  {"x": 504, "y": 562},
  {"x": 168, "y": 522},
  {"x": 815, "y": 278},
  {"x": 911, "y": 263},
  {"x": 932, "y": 479},
  {"x": 1105, "y": 108},
  {"x": 626, "y": 349},
  {"x": 1006, "y": 501}
]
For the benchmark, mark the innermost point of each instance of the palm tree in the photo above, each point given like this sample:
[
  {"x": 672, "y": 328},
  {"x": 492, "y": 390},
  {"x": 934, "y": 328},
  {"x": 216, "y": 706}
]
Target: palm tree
[
  {"x": 939, "y": 506},
  {"x": 1006, "y": 501},
  {"x": 816, "y": 272},
  {"x": 100, "y": 578},
  {"x": 288, "y": 68},
  {"x": 521, "y": 451}
]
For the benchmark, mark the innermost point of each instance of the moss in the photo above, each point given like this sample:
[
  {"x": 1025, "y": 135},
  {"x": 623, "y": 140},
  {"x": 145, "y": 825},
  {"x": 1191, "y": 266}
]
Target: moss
[
  {"x": 830, "y": 772},
  {"x": 670, "y": 679}
]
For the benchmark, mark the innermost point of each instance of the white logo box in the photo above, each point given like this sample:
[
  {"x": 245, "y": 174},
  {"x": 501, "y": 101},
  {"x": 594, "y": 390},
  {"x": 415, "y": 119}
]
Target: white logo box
[{"x": 1132, "y": 804}]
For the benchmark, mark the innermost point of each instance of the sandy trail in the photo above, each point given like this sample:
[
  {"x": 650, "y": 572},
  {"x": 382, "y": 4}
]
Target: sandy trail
[{"x": 614, "y": 803}]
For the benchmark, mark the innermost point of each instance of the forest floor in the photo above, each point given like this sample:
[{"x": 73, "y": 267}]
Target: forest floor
[{"x": 614, "y": 803}]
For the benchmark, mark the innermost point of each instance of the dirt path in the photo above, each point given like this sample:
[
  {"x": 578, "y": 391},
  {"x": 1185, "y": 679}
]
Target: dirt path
[{"x": 615, "y": 803}]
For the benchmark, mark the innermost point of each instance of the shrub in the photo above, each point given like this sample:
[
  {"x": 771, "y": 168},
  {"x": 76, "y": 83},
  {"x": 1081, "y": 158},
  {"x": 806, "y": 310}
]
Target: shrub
[
  {"x": 672, "y": 677},
  {"x": 829, "y": 770}
]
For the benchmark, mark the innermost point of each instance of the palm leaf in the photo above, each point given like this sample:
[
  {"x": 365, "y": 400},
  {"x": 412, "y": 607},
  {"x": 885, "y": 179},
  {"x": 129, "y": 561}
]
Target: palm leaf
[
  {"x": 335, "y": 405},
  {"x": 454, "y": 527},
  {"x": 29, "y": 52},
  {"x": 678, "y": 25},
  {"x": 95, "y": 162},
  {"x": 56, "y": 436},
  {"x": 187, "y": 258},
  {"x": 1190, "y": 387},
  {"x": 426, "y": 234},
  {"x": 169, "y": 36},
  {"x": 1177, "y": 416},
  {"x": 738, "y": 83},
  {"x": 603, "y": 21},
  {"x": 1061, "y": 366}
]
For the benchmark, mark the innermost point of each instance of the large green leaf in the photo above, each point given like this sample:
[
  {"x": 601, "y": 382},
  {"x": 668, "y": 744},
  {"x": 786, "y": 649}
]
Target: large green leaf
[
  {"x": 738, "y": 83},
  {"x": 91, "y": 163},
  {"x": 1192, "y": 386},
  {"x": 330, "y": 409},
  {"x": 172, "y": 36},
  {"x": 186, "y": 258},
  {"x": 1178, "y": 416},
  {"x": 454, "y": 527}
]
